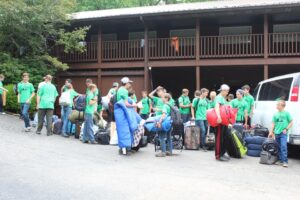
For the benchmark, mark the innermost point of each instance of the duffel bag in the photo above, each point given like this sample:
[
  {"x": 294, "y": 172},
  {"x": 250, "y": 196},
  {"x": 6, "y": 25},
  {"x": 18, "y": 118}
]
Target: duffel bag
[
  {"x": 102, "y": 137},
  {"x": 76, "y": 115},
  {"x": 271, "y": 146},
  {"x": 261, "y": 131},
  {"x": 228, "y": 115},
  {"x": 267, "y": 158},
  {"x": 255, "y": 140}
]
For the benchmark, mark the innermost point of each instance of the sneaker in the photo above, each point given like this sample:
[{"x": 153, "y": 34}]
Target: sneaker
[
  {"x": 285, "y": 164},
  {"x": 227, "y": 157},
  {"x": 168, "y": 153},
  {"x": 93, "y": 142},
  {"x": 223, "y": 158},
  {"x": 85, "y": 142},
  {"x": 27, "y": 129},
  {"x": 160, "y": 155},
  {"x": 49, "y": 134},
  {"x": 204, "y": 149},
  {"x": 278, "y": 162},
  {"x": 64, "y": 135},
  {"x": 38, "y": 132}
]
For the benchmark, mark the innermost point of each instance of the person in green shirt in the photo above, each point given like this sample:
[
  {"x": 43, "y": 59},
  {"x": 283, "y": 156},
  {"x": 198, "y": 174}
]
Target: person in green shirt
[
  {"x": 157, "y": 100},
  {"x": 67, "y": 109},
  {"x": 2, "y": 89},
  {"x": 282, "y": 122},
  {"x": 91, "y": 102},
  {"x": 250, "y": 102},
  {"x": 185, "y": 105},
  {"x": 96, "y": 92},
  {"x": 146, "y": 109},
  {"x": 165, "y": 136},
  {"x": 113, "y": 90},
  {"x": 212, "y": 101},
  {"x": 46, "y": 98},
  {"x": 199, "y": 108},
  {"x": 221, "y": 130},
  {"x": 25, "y": 95},
  {"x": 242, "y": 106},
  {"x": 172, "y": 101}
]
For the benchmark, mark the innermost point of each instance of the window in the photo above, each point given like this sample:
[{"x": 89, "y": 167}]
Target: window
[
  {"x": 140, "y": 36},
  {"x": 286, "y": 28},
  {"x": 275, "y": 90},
  {"x": 256, "y": 92},
  {"x": 184, "y": 33},
  {"x": 238, "y": 34}
]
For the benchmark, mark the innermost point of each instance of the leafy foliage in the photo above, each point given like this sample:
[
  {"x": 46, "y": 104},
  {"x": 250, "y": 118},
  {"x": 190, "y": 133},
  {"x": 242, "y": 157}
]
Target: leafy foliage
[{"x": 29, "y": 29}]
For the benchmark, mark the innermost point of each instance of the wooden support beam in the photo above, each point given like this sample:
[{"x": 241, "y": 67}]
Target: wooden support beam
[
  {"x": 146, "y": 57},
  {"x": 99, "y": 46},
  {"x": 198, "y": 77},
  {"x": 99, "y": 78},
  {"x": 197, "y": 39},
  {"x": 266, "y": 36},
  {"x": 266, "y": 72}
]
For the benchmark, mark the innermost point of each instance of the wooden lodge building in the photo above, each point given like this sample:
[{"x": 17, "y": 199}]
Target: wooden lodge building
[{"x": 187, "y": 45}]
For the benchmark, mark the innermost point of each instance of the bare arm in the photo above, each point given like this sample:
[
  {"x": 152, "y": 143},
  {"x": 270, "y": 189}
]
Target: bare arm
[
  {"x": 271, "y": 134},
  {"x": 246, "y": 117},
  {"x": 38, "y": 99},
  {"x": 4, "y": 89},
  {"x": 217, "y": 109},
  {"x": 193, "y": 112},
  {"x": 32, "y": 95},
  {"x": 151, "y": 94},
  {"x": 18, "y": 97}
]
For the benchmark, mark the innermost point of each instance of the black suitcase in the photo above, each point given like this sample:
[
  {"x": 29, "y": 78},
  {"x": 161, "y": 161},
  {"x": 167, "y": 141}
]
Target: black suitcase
[
  {"x": 261, "y": 131},
  {"x": 231, "y": 146}
]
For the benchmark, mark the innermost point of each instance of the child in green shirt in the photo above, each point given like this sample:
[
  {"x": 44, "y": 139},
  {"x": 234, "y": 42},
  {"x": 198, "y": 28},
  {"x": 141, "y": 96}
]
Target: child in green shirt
[
  {"x": 281, "y": 123},
  {"x": 241, "y": 105},
  {"x": 185, "y": 105},
  {"x": 146, "y": 102}
]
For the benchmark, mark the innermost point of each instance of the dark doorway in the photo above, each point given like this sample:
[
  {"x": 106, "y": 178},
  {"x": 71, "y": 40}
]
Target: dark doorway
[
  {"x": 174, "y": 79},
  {"x": 279, "y": 70},
  {"x": 235, "y": 77}
]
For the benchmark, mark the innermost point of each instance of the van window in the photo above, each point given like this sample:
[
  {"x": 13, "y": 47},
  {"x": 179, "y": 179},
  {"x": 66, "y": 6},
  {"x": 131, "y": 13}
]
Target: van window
[
  {"x": 256, "y": 92},
  {"x": 276, "y": 90}
]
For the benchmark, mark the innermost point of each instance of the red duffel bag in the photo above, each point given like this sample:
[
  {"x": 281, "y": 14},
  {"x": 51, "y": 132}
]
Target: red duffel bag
[{"x": 228, "y": 116}]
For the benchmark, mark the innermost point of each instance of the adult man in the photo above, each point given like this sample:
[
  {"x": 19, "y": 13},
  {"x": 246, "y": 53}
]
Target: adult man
[
  {"x": 241, "y": 105},
  {"x": 221, "y": 130},
  {"x": 25, "y": 95},
  {"x": 250, "y": 102},
  {"x": 45, "y": 104},
  {"x": 158, "y": 102},
  {"x": 185, "y": 105}
]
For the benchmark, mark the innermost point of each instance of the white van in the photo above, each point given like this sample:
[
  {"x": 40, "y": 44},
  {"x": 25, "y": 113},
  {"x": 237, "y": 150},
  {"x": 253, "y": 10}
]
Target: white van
[{"x": 267, "y": 93}]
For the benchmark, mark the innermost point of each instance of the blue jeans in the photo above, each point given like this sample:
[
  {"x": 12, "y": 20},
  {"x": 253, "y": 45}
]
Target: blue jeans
[
  {"x": 281, "y": 139},
  {"x": 65, "y": 113},
  {"x": 202, "y": 124},
  {"x": 163, "y": 138},
  {"x": 185, "y": 117},
  {"x": 25, "y": 114},
  {"x": 88, "y": 132}
]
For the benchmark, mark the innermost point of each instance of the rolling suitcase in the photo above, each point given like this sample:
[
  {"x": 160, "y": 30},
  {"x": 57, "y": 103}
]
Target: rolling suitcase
[
  {"x": 192, "y": 138},
  {"x": 235, "y": 145}
]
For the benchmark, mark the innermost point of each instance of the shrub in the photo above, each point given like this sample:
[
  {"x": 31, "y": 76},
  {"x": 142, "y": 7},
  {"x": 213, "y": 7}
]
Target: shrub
[{"x": 12, "y": 101}]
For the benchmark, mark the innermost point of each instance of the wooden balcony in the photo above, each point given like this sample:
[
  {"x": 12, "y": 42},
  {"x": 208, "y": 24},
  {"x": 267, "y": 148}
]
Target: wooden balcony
[{"x": 179, "y": 48}]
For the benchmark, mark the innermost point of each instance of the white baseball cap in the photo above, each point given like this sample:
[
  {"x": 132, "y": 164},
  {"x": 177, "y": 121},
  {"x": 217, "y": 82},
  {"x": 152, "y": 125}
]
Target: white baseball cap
[
  {"x": 224, "y": 87},
  {"x": 126, "y": 80}
]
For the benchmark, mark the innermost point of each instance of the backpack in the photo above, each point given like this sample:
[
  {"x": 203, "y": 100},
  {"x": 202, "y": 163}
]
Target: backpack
[
  {"x": 65, "y": 99},
  {"x": 99, "y": 98},
  {"x": 80, "y": 103},
  {"x": 175, "y": 116}
]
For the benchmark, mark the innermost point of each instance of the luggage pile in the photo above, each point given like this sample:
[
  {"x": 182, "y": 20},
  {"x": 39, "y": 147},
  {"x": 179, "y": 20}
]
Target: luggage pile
[{"x": 254, "y": 145}]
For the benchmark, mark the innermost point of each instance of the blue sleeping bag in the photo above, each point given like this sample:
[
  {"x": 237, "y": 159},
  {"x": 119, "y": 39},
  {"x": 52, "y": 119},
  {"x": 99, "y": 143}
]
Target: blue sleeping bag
[
  {"x": 150, "y": 124},
  {"x": 254, "y": 145},
  {"x": 127, "y": 121},
  {"x": 255, "y": 140}
]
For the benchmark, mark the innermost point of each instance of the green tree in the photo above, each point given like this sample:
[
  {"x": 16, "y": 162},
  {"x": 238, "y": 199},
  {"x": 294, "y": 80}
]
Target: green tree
[{"x": 29, "y": 29}]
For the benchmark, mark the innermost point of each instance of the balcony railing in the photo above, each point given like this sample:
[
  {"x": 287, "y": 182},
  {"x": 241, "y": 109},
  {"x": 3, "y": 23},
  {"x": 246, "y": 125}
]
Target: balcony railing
[
  {"x": 231, "y": 46},
  {"x": 90, "y": 55},
  {"x": 172, "y": 48},
  {"x": 210, "y": 47},
  {"x": 284, "y": 44},
  {"x": 123, "y": 50}
]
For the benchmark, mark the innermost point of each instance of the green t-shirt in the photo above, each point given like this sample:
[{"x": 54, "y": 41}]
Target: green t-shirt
[
  {"x": 200, "y": 105},
  {"x": 90, "y": 109},
  {"x": 221, "y": 100},
  {"x": 1, "y": 85},
  {"x": 211, "y": 104},
  {"x": 112, "y": 91},
  {"x": 122, "y": 93},
  {"x": 166, "y": 109},
  {"x": 172, "y": 102},
  {"x": 48, "y": 94},
  {"x": 146, "y": 102},
  {"x": 250, "y": 101},
  {"x": 134, "y": 99},
  {"x": 281, "y": 121},
  {"x": 242, "y": 106},
  {"x": 73, "y": 94},
  {"x": 25, "y": 90},
  {"x": 185, "y": 101},
  {"x": 158, "y": 102},
  {"x": 96, "y": 93}
]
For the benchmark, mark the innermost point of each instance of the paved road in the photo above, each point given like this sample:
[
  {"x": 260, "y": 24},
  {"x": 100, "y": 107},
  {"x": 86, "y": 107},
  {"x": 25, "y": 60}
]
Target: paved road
[{"x": 40, "y": 167}]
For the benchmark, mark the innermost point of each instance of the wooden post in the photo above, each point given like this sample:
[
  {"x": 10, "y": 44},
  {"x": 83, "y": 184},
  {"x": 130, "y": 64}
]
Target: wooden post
[
  {"x": 198, "y": 53},
  {"x": 99, "y": 83},
  {"x": 146, "y": 57},
  {"x": 99, "y": 46},
  {"x": 266, "y": 45}
]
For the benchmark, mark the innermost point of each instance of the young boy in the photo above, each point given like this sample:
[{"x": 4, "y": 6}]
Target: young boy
[
  {"x": 25, "y": 94},
  {"x": 146, "y": 102},
  {"x": 165, "y": 136},
  {"x": 158, "y": 101},
  {"x": 250, "y": 102},
  {"x": 2, "y": 89},
  {"x": 241, "y": 105},
  {"x": 212, "y": 101},
  {"x": 185, "y": 105},
  {"x": 281, "y": 123},
  {"x": 91, "y": 101}
]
